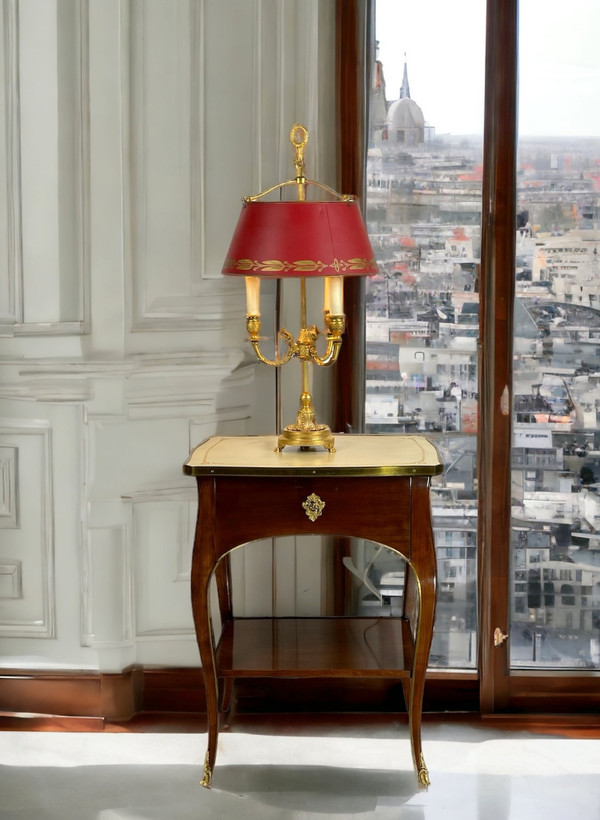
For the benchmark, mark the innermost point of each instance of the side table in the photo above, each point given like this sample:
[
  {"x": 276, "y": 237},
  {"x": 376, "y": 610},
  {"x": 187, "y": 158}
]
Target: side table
[{"x": 372, "y": 487}]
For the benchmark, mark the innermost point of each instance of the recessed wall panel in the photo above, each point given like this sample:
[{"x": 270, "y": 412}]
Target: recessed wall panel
[
  {"x": 107, "y": 588},
  {"x": 163, "y": 542},
  {"x": 52, "y": 129},
  {"x": 26, "y": 547}
]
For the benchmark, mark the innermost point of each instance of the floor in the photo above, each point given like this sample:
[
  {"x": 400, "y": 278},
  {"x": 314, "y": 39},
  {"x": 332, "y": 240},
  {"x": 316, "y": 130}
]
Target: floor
[{"x": 361, "y": 770}]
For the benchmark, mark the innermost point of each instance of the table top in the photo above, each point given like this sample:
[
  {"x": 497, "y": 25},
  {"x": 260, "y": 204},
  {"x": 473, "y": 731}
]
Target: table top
[{"x": 356, "y": 455}]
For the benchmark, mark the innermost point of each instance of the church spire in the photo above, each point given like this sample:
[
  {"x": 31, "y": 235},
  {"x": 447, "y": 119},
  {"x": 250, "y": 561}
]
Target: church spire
[{"x": 405, "y": 88}]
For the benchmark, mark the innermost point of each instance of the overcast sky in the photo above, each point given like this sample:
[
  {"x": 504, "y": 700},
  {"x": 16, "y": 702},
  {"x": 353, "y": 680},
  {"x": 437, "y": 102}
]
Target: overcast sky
[{"x": 444, "y": 44}]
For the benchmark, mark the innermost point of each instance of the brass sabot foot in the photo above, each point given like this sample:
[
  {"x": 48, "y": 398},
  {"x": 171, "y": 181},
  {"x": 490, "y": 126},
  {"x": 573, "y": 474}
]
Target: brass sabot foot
[
  {"x": 423, "y": 775},
  {"x": 207, "y": 774}
]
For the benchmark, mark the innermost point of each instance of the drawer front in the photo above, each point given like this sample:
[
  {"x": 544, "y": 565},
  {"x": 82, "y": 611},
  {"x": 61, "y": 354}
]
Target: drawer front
[{"x": 377, "y": 508}]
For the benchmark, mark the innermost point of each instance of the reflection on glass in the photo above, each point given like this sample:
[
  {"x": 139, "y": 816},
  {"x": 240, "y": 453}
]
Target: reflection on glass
[
  {"x": 377, "y": 581},
  {"x": 423, "y": 212},
  {"x": 556, "y": 446}
]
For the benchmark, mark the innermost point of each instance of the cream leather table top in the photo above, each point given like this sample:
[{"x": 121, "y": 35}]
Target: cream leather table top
[{"x": 354, "y": 455}]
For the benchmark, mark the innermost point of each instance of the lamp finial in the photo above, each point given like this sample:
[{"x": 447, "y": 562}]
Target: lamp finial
[{"x": 299, "y": 138}]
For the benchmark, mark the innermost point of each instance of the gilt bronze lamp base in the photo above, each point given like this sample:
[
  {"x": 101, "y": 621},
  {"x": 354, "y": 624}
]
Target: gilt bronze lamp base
[{"x": 306, "y": 432}]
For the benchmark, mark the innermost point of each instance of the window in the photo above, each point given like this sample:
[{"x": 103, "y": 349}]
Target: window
[
  {"x": 423, "y": 211},
  {"x": 567, "y": 594},
  {"x": 555, "y": 316},
  {"x": 518, "y": 557}
]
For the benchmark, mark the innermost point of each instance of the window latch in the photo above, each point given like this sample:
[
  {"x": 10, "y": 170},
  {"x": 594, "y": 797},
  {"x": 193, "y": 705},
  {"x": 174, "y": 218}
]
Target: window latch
[{"x": 499, "y": 636}]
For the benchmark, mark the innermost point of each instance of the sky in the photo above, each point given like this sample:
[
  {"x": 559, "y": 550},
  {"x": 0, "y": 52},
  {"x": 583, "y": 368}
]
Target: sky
[{"x": 443, "y": 43}]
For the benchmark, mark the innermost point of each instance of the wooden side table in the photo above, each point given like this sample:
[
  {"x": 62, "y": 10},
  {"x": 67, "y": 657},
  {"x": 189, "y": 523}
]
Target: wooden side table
[{"x": 372, "y": 487}]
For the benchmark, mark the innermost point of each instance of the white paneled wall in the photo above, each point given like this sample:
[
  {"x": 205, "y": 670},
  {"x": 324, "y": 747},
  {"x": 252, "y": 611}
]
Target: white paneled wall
[{"x": 129, "y": 132}]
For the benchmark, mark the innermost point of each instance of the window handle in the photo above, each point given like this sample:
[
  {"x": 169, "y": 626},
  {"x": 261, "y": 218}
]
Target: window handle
[{"x": 499, "y": 636}]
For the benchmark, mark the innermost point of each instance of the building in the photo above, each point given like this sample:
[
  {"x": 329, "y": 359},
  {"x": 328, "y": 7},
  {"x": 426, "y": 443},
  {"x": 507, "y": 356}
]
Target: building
[{"x": 404, "y": 123}]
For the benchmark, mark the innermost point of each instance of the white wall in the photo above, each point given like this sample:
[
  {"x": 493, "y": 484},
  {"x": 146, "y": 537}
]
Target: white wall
[{"x": 130, "y": 130}]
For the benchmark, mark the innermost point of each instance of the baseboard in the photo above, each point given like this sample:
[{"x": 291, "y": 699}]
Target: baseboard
[
  {"x": 141, "y": 696},
  {"x": 137, "y": 690},
  {"x": 92, "y": 695}
]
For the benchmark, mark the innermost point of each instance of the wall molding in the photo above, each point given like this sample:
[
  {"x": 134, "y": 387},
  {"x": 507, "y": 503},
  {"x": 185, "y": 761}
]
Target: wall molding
[
  {"x": 74, "y": 159},
  {"x": 150, "y": 377},
  {"x": 11, "y": 578},
  {"x": 193, "y": 302},
  {"x": 14, "y": 250},
  {"x": 9, "y": 498},
  {"x": 13, "y": 622},
  {"x": 107, "y": 576}
]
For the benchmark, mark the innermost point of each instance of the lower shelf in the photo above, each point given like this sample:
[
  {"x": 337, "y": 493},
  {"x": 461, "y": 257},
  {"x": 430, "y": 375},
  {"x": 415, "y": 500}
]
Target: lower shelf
[{"x": 315, "y": 647}]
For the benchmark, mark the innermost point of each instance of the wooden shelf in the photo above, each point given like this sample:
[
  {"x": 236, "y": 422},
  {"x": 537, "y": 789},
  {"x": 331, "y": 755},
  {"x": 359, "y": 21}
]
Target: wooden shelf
[{"x": 316, "y": 647}]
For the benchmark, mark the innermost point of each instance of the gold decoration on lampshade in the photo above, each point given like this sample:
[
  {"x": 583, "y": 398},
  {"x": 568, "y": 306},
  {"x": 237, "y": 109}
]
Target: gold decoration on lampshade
[{"x": 302, "y": 239}]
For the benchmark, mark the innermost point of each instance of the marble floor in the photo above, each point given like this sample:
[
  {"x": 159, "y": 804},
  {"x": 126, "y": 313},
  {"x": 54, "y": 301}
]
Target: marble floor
[{"x": 342, "y": 772}]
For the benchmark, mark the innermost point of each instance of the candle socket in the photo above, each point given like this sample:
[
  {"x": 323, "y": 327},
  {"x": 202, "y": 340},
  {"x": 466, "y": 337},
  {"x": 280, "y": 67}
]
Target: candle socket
[
  {"x": 336, "y": 323},
  {"x": 253, "y": 326}
]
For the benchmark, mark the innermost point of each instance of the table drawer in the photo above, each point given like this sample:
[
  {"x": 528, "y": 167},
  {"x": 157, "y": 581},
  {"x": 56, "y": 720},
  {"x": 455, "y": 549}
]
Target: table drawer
[{"x": 354, "y": 506}]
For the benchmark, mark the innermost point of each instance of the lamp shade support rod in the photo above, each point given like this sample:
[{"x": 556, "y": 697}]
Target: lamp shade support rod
[
  {"x": 306, "y": 183},
  {"x": 277, "y": 372}
]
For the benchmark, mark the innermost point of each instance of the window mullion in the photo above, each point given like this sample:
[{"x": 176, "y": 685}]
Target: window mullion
[{"x": 496, "y": 334}]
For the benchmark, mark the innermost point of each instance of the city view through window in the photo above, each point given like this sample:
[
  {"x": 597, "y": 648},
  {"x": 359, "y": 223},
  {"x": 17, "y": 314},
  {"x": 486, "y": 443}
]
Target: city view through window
[{"x": 423, "y": 212}]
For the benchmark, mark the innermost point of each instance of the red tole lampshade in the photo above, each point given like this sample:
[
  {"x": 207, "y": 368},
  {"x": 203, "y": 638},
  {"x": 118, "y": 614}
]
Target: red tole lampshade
[{"x": 305, "y": 239}]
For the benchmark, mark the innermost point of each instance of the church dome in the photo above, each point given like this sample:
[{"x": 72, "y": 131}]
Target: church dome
[
  {"x": 405, "y": 123},
  {"x": 405, "y": 113}
]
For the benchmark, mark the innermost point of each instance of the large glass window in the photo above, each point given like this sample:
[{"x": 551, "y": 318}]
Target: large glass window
[
  {"x": 424, "y": 177},
  {"x": 483, "y": 325},
  {"x": 423, "y": 209},
  {"x": 555, "y": 574}
]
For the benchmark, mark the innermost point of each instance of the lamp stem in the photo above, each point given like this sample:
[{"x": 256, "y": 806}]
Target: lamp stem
[
  {"x": 305, "y": 385},
  {"x": 304, "y": 362},
  {"x": 303, "y": 302}
]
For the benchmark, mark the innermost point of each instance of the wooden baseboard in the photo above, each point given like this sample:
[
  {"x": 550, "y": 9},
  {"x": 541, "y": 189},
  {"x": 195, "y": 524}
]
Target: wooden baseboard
[
  {"x": 119, "y": 697},
  {"x": 92, "y": 695},
  {"x": 140, "y": 697},
  {"x": 98, "y": 696}
]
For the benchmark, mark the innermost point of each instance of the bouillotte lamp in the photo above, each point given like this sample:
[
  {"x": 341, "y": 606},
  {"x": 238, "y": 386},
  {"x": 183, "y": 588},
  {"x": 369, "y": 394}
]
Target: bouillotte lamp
[{"x": 303, "y": 239}]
